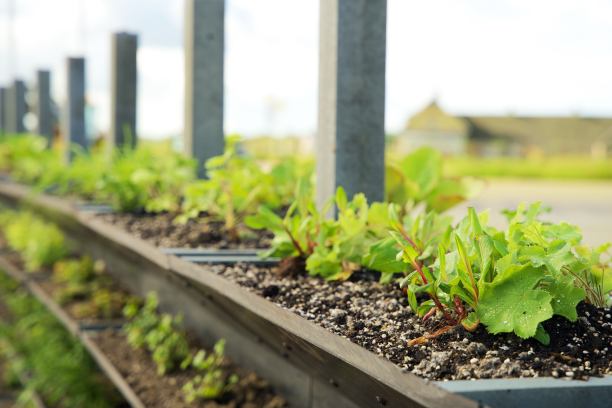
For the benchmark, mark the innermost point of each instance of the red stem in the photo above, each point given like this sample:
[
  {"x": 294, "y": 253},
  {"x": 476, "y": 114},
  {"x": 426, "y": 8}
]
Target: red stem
[{"x": 295, "y": 243}]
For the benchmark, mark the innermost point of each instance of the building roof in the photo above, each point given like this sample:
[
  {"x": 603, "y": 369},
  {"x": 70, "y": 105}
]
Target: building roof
[
  {"x": 557, "y": 132},
  {"x": 433, "y": 118},
  {"x": 563, "y": 131}
]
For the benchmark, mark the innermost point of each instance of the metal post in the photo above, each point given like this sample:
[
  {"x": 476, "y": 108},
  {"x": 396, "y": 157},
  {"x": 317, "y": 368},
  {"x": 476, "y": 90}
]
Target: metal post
[
  {"x": 44, "y": 115},
  {"x": 3, "y": 101},
  {"x": 204, "y": 51},
  {"x": 123, "y": 90},
  {"x": 75, "y": 132},
  {"x": 350, "y": 140}
]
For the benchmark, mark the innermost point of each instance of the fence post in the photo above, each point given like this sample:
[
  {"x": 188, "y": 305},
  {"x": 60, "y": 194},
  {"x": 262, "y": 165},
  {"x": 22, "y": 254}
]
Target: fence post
[
  {"x": 123, "y": 90},
  {"x": 204, "y": 46},
  {"x": 75, "y": 110},
  {"x": 44, "y": 116},
  {"x": 350, "y": 140},
  {"x": 3, "y": 101}
]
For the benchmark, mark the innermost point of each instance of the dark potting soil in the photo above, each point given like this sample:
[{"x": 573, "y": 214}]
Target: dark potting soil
[
  {"x": 378, "y": 318},
  {"x": 154, "y": 390},
  {"x": 162, "y": 231}
]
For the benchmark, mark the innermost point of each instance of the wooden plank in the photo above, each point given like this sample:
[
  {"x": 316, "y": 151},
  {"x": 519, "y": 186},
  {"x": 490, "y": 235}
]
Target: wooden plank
[
  {"x": 110, "y": 371},
  {"x": 363, "y": 376}
]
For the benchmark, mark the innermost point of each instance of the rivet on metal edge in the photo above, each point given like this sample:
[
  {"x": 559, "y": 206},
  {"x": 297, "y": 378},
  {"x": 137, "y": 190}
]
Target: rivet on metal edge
[
  {"x": 381, "y": 400},
  {"x": 333, "y": 382},
  {"x": 286, "y": 345}
]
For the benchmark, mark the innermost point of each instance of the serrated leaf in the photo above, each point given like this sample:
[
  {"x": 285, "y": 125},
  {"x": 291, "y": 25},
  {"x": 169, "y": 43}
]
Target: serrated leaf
[{"x": 512, "y": 303}]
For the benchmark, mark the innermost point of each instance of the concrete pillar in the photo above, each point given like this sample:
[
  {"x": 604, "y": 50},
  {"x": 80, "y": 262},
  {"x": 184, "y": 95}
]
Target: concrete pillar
[
  {"x": 44, "y": 114},
  {"x": 75, "y": 130},
  {"x": 16, "y": 107},
  {"x": 3, "y": 102},
  {"x": 204, "y": 47},
  {"x": 123, "y": 90},
  {"x": 350, "y": 140}
]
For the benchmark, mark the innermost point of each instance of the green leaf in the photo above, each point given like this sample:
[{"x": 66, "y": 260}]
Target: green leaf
[
  {"x": 382, "y": 257},
  {"x": 265, "y": 219},
  {"x": 566, "y": 297},
  {"x": 542, "y": 336},
  {"x": 474, "y": 222},
  {"x": 513, "y": 303},
  {"x": 341, "y": 200},
  {"x": 465, "y": 272}
]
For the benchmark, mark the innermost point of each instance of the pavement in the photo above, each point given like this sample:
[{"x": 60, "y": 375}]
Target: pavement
[{"x": 587, "y": 204}]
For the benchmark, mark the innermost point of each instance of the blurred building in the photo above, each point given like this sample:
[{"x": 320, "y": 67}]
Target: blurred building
[{"x": 506, "y": 135}]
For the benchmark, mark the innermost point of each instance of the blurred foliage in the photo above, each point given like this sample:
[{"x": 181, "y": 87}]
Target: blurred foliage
[
  {"x": 38, "y": 242},
  {"x": 59, "y": 367},
  {"x": 556, "y": 167},
  {"x": 418, "y": 178}
]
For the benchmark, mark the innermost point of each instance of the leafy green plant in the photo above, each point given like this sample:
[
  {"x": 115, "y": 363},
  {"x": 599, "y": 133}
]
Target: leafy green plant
[
  {"x": 161, "y": 334},
  {"x": 84, "y": 280},
  {"x": 27, "y": 158},
  {"x": 330, "y": 248},
  {"x": 139, "y": 180},
  {"x": 60, "y": 368},
  {"x": 141, "y": 320},
  {"x": 418, "y": 178},
  {"x": 39, "y": 243},
  {"x": 510, "y": 281},
  {"x": 211, "y": 381},
  {"x": 236, "y": 186},
  {"x": 167, "y": 343}
]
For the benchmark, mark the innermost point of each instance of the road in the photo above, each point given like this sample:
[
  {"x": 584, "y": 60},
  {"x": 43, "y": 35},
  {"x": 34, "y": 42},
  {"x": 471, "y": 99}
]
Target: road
[{"x": 587, "y": 204}]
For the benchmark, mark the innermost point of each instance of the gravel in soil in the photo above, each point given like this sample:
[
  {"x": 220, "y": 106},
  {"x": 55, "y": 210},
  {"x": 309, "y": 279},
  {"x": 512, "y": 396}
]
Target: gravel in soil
[
  {"x": 154, "y": 390},
  {"x": 378, "y": 318},
  {"x": 162, "y": 231}
]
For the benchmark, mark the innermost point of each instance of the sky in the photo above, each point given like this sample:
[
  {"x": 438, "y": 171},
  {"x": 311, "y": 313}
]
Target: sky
[{"x": 551, "y": 57}]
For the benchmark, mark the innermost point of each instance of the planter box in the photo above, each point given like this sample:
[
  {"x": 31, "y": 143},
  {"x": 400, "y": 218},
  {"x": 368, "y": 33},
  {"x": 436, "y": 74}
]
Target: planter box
[{"x": 309, "y": 366}]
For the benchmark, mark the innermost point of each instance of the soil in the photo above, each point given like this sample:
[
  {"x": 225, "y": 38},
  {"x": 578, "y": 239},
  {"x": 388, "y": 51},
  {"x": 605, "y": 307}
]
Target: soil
[
  {"x": 139, "y": 370},
  {"x": 378, "y": 318},
  {"x": 162, "y": 231}
]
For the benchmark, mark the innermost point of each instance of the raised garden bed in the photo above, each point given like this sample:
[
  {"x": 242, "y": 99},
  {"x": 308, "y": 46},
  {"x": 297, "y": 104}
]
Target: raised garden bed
[
  {"x": 132, "y": 371},
  {"x": 326, "y": 368},
  {"x": 162, "y": 230}
]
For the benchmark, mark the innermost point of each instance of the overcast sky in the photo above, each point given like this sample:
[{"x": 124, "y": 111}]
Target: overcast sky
[{"x": 474, "y": 56}]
